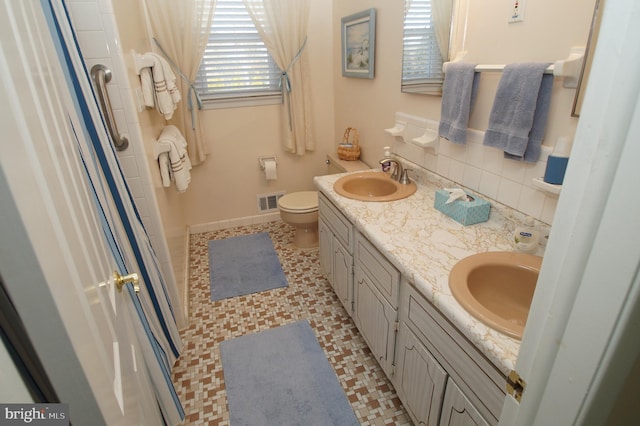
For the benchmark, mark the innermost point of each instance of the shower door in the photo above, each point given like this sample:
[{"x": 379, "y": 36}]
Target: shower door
[{"x": 62, "y": 247}]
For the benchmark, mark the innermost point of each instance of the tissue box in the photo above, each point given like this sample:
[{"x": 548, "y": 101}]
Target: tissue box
[{"x": 465, "y": 212}]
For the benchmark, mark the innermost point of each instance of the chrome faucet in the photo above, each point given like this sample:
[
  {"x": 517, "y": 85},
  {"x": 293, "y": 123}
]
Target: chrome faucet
[{"x": 397, "y": 170}]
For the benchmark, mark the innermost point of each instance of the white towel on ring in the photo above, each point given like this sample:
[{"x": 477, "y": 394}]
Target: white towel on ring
[
  {"x": 146, "y": 82},
  {"x": 180, "y": 164},
  {"x": 165, "y": 167},
  {"x": 166, "y": 93}
]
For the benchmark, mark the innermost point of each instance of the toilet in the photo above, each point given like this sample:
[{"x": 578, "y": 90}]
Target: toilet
[{"x": 300, "y": 209}]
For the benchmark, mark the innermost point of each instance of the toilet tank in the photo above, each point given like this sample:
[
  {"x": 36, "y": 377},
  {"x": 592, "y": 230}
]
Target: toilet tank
[{"x": 336, "y": 165}]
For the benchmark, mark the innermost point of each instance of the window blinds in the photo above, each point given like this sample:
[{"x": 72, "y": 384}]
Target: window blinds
[
  {"x": 422, "y": 61},
  {"x": 235, "y": 62}
]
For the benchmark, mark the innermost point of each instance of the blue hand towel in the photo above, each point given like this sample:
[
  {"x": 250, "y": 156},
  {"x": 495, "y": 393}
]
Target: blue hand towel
[
  {"x": 520, "y": 110},
  {"x": 458, "y": 94}
]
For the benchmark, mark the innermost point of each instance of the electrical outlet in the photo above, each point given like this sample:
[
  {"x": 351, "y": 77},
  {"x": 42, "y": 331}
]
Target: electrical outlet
[{"x": 517, "y": 11}]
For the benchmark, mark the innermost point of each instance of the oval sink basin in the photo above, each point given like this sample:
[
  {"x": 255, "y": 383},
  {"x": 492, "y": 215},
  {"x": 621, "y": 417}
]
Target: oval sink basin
[
  {"x": 497, "y": 288},
  {"x": 372, "y": 186}
]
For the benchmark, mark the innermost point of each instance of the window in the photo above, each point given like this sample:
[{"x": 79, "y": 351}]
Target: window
[
  {"x": 422, "y": 60},
  {"x": 236, "y": 68}
]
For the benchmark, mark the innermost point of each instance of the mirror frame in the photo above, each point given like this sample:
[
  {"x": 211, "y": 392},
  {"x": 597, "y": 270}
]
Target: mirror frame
[{"x": 588, "y": 59}]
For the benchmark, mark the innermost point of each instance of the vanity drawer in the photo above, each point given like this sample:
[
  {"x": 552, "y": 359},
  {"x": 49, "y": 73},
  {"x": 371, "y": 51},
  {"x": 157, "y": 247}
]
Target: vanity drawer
[
  {"x": 339, "y": 224},
  {"x": 383, "y": 274},
  {"x": 479, "y": 379}
]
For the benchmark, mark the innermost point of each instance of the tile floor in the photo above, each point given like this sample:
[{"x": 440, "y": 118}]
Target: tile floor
[{"x": 198, "y": 373}]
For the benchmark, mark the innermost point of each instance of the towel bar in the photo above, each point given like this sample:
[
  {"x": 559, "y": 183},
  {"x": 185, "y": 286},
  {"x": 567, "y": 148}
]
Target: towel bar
[
  {"x": 101, "y": 76},
  {"x": 569, "y": 68}
]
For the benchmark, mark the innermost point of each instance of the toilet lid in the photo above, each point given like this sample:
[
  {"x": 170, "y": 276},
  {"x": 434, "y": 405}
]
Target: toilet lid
[{"x": 299, "y": 201}]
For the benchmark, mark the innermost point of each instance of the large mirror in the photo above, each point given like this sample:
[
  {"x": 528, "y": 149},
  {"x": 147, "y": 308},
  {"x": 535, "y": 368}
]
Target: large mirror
[{"x": 426, "y": 40}]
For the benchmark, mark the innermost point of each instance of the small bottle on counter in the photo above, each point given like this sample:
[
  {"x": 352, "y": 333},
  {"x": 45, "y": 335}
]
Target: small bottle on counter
[
  {"x": 526, "y": 237},
  {"x": 386, "y": 166}
]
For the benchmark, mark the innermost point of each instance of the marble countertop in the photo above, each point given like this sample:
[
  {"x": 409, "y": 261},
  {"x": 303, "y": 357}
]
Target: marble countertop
[{"x": 424, "y": 244}]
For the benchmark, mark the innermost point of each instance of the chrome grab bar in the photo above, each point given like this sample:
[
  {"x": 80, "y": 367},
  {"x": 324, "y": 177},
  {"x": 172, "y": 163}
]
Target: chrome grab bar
[{"x": 101, "y": 75}]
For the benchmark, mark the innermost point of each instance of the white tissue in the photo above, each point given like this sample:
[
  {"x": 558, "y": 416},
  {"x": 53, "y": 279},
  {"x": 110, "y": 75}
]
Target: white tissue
[
  {"x": 456, "y": 193},
  {"x": 270, "y": 170}
]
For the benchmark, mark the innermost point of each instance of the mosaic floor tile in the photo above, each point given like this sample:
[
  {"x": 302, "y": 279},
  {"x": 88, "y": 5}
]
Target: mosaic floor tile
[{"x": 198, "y": 375}]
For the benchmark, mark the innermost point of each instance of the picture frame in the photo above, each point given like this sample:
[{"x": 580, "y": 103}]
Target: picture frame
[{"x": 358, "y": 44}]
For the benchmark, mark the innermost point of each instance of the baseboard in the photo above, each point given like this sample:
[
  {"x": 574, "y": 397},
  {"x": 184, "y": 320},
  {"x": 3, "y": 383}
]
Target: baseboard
[
  {"x": 230, "y": 223},
  {"x": 187, "y": 274}
]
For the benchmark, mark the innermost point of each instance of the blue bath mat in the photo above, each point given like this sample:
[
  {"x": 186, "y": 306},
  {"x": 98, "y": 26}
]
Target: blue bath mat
[
  {"x": 243, "y": 265},
  {"x": 281, "y": 376}
]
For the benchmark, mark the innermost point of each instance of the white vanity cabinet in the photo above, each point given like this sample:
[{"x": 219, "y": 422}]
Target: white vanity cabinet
[
  {"x": 419, "y": 380},
  {"x": 473, "y": 393},
  {"x": 336, "y": 239},
  {"x": 440, "y": 376},
  {"x": 375, "y": 301},
  {"x": 457, "y": 410}
]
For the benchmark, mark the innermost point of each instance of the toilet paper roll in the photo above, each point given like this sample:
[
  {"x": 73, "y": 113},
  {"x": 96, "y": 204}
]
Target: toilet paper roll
[{"x": 270, "y": 170}]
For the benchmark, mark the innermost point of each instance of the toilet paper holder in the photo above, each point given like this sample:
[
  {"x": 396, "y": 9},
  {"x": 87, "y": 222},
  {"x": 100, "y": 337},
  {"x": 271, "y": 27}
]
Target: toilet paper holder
[{"x": 262, "y": 160}]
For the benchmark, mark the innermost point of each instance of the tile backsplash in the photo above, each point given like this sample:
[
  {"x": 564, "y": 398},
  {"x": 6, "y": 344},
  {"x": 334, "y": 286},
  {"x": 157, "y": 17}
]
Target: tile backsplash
[{"x": 480, "y": 168}]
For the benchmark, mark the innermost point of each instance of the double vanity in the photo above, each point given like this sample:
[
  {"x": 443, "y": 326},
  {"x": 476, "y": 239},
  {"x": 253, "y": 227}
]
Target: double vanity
[{"x": 389, "y": 263}]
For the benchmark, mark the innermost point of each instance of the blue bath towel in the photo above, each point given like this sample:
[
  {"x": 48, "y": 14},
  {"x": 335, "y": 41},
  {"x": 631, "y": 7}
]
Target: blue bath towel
[
  {"x": 520, "y": 110},
  {"x": 458, "y": 94}
]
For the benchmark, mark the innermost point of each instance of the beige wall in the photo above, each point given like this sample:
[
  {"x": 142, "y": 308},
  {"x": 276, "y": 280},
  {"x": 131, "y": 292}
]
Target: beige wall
[
  {"x": 224, "y": 189},
  {"x": 547, "y": 34},
  {"x": 236, "y": 137},
  {"x": 370, "y": 105},
  {"x": 550, "y": 29},
  {"x": 226, "y": 186}
]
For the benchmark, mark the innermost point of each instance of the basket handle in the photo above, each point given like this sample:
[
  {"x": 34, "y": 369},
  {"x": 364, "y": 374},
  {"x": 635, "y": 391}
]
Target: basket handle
[{"x": 356, "y": 136}]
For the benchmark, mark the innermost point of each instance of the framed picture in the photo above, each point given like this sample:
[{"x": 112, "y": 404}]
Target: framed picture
[{"x": 358, "y": 44}]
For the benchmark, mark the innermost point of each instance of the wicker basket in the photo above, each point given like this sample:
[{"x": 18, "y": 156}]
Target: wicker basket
[{"x": 349, "y": 150}]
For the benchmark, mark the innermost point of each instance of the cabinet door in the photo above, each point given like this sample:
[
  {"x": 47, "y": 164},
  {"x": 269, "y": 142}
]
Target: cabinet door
[
  {"x": 419, "y": 379},
  {"x": 375, "y": 318},
  {"x": 343, "y": 275},
  {"x": 325, "y": 238},
  {"x": 457, "y": 410}
]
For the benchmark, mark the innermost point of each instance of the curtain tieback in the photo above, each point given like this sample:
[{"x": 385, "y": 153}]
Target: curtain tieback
[
  {"x": 192, "y": 89},
  {"x": 285, "y": 82}
]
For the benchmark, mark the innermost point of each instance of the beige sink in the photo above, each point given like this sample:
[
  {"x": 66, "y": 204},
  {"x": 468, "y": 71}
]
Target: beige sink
[
  {"x": 372, "y": 186},
  {"x": 497, "y": 288}
]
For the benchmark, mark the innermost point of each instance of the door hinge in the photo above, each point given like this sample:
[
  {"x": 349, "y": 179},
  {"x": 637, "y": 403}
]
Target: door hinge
[
  {"x": 515, "y": 385},
  {"x": 396, "y": 326}
]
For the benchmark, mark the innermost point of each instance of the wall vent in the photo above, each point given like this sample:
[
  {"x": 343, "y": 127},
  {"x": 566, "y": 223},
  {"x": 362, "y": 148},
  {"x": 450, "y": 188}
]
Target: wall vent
[{"x": 268, "y": 203}]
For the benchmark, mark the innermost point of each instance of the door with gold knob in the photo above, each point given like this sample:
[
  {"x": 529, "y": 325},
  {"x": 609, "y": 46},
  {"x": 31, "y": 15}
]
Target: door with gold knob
[{"x": 62, "y": 239}]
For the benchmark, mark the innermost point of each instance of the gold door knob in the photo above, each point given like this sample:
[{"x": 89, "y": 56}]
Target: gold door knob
[{"x": 121, "y": 280}]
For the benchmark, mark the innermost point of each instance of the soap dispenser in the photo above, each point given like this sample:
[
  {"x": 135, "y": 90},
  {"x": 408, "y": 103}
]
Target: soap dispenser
[
  {"x": 557, "y": 162},
  {"x": 526, "y": 237}
]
